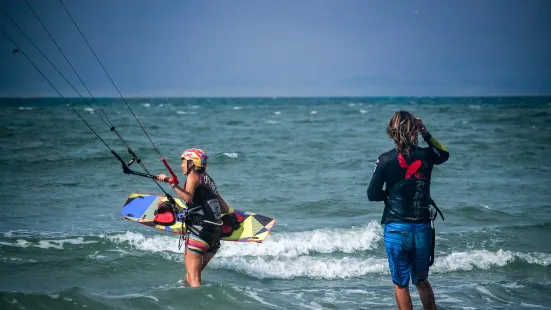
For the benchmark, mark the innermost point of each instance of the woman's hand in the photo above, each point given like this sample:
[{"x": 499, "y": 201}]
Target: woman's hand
[{"x": 162, "y": 177}]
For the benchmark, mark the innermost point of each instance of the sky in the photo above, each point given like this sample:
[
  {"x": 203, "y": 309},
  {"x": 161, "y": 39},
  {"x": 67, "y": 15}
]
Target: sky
[{"x": 227, "y": 48}]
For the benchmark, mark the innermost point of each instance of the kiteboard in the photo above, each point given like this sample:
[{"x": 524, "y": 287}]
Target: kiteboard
[{"x": 140, "y": 208}]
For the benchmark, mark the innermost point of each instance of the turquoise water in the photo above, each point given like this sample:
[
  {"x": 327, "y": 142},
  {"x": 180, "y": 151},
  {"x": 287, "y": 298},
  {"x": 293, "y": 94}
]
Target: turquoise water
[{"x": 304, "y": 161}]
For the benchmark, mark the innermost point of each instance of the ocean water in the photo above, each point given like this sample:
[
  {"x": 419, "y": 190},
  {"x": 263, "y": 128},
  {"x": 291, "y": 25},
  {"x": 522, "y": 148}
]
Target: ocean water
[{"x": 304, "y": 161}]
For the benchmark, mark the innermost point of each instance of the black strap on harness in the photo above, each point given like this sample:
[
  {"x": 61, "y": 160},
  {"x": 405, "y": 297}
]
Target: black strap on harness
[
  {"x": 183, "y": 235},
  {"x": 187, "y": 224},
  {"x": 434, "y": 214}
]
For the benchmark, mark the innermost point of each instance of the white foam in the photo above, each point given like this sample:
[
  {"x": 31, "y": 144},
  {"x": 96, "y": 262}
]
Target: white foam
[
  {"x": 90, "y": 110},
  {"x": 474, "y": 106},
  {"x": 313, "y": 112},
  {"x": 304, "y": 266},
  {"x": 58, "y": 244},
  {"x": 313, "y": 305},
  {"x": 231, "y": 155},
  {"x": 147, "y": 105},
  {"x": 368, "y": 301},
  {"x": 141, "y": 242},
  {"x": 363, "y": 111},
  {"x": 18, "y": 260},
  {"x": 363, "y": 292},
  {"x": 304, "y": 254},
  {"x": 47, "y": 244},
  {"x": 96, "y": 255},
  {"x": 14, "y": 301},
  {"x": 25, "y": 108},
  {"x": 127, "y": 296},
  {"x": 277, "y": 113},
  {"x": 450, "y": 300},
  {"x": 542, "y": 259},
  {"x": 152, "y": 298},
  {"x": 337, "y": 268},
  {"x": 485, "y": 291},
  {"x": 18, "y": 243},
  {"x": 512, "y": 285},
  {"x": 484, "y": 259},
  {"x": 119, "y": 251},
  {"x": 254, "y": 295},
  {"x": 15, "y": 259},
  {"x": 181, "y": 112},
  {"x": 351, "y": 104},
  {"x": 161, "y": 105},
  {"x": 347, "y": 240},
  {"x": 237, "y": 108},
  {"x": 271, "y": 122},
  {"x": 532, "y": 305}
]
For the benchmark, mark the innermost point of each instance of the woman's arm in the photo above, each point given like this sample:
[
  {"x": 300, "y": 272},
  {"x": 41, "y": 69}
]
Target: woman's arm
[{"x": 186, "y": 192}]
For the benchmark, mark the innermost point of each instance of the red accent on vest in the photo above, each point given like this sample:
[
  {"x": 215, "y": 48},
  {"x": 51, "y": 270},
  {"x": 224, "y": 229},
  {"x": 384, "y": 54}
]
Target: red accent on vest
[{"x": 411, "y": 169}]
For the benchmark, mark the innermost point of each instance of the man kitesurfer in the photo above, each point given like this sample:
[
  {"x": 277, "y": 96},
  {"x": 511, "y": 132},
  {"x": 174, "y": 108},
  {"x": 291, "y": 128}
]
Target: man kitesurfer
[
  {"x": 205, "y": 206},
  {"x": 408, "y": 234}
]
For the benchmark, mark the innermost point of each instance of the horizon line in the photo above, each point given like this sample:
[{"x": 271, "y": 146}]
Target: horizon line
[{"x": 277, "y": 97}]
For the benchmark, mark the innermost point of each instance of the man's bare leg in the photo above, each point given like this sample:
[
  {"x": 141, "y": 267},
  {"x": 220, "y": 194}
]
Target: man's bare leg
[
  {"x": 403, "y": 299},
  {"x": 426, "y": 294}
]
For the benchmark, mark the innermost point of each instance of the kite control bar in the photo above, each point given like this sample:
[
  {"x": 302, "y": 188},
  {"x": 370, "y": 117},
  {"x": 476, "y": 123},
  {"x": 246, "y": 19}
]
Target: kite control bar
[{"x": 127, "y": 170}]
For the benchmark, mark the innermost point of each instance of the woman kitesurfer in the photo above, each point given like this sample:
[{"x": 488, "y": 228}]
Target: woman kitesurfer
[
  {"x": 408, "y": 235},
  {"x": 205, "y": 206}
]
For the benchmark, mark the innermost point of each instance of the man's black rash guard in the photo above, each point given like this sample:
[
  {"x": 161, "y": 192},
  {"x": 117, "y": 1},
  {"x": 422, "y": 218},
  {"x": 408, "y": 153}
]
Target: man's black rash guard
[{"x": 390, "y": 170}]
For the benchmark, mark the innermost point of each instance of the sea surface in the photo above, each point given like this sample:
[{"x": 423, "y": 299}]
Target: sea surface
[{"x": 306, "y": 162}]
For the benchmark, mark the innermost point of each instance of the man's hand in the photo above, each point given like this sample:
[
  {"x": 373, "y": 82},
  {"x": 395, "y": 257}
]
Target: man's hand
[{"x": 421, "y": 127}]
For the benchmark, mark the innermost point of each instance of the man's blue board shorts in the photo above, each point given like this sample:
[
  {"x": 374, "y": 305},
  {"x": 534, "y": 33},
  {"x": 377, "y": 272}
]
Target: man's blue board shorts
[{"x": 408, "y": 248}]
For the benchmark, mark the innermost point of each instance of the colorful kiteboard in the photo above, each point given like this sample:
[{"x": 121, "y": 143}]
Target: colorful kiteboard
[{"x": 140, "y": 208}]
